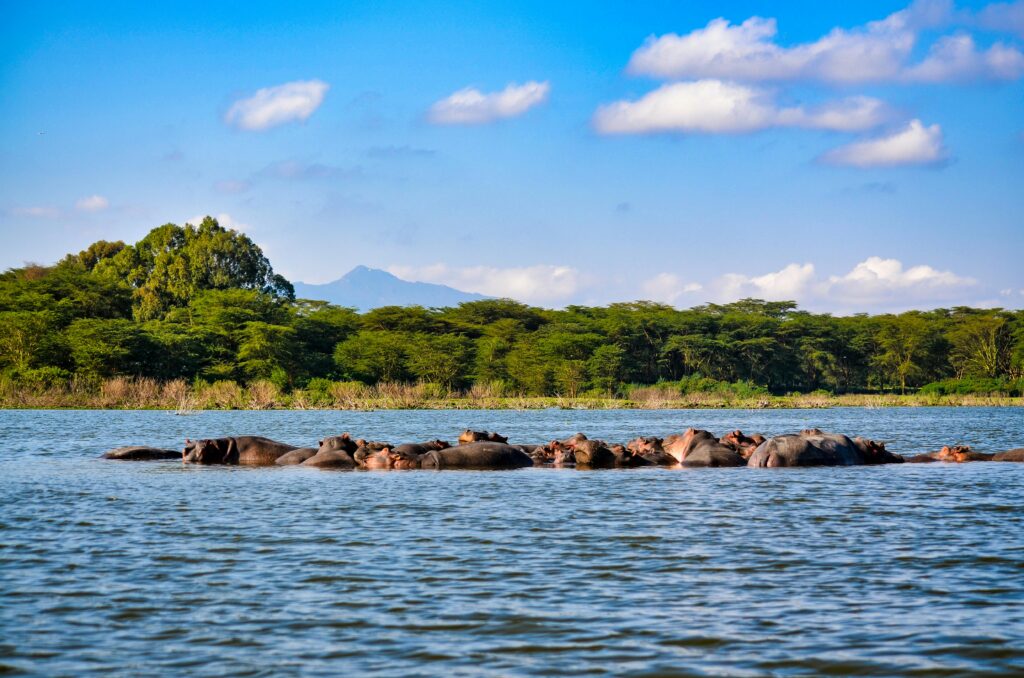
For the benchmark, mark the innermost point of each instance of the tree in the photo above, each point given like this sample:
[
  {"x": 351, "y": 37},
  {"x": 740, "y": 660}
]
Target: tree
[
  {"x": 172, "y": 264},
  {"x": 981, "y": 346},
  {"x": 373, "y": 357},
  {"x": 904, "y": 341},
  {"x": 443, "y": 360}
]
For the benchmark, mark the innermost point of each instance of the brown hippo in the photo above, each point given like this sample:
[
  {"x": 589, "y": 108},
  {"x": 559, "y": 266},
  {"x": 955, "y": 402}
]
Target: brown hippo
[
  {"x": 873, "y": 452},
  {"x": 469, "y": 436},
  {"x": 1010, "y": 455},
  {"x": 697, "y": 447},
  {"x": 744, "y": 445},
  {"x": 478, "y": 455},
  {"x": 954, "y": 454},
  {"x": 141, "y": 453},
  {"x": 418, "y": 449},
  {"x": 378, "y": 458},
  {"x": 627, "y": 458},
  {"x": 592, "y": 454},
  {"x": 297, "y": 456},
  {"x": 650, "y": 448},
  {"x": 247, "y": 450}
]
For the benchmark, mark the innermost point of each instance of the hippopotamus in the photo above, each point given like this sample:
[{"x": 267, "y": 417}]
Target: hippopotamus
[
  {"x": 697, "y": 447},
  {"x": 627, "y": 458},
  {"x": 141, "y": 453},
  {"x": 955, "y": 454},
  {"x": 1010, "y": 455},
  {"x": 297, "y": 456},
  {"x": 650, "y": 448},
  {"x": 247, "y": 450},
  {"x": 592, "y": 454},
  {"x": 469, "y": 436},
  {"x": 417, "y": 449},
  {"x": 477, "y": 455},
  {"x": 377, "y": 458},
  {"x": 744, "y": 445},
  {"x": 813, "y": 447}
]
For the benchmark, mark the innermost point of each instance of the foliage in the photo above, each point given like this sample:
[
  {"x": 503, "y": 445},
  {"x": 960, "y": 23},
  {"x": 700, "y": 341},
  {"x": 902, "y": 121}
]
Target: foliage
[{"x": 202, "y": 304}]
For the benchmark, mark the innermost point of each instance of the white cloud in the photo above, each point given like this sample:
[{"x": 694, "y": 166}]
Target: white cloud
[
  {"x": 92, "y": 203},
  {"x": 470, "y": 106},
  {"x": 879, "y": 51},
  {"x": 272, "y": 106},
  {"x": 35, "y": 212},
  {"x": 955, "y": 57},
  {"x": 877, "y": 280},
  {"x": 668, "y": 288},
  {"x": 540, "y": 284},
  {"x": 1005, "y": 17},
  {"x": 714, "y": 106},
  {"x": 224, "y": 219},
  {"x": 872, "y": 284},
  {"x": 913, "y": 145}
]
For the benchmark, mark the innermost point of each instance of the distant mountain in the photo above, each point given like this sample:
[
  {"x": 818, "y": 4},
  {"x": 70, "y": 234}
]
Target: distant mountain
[{"x": 368, "y": 288}]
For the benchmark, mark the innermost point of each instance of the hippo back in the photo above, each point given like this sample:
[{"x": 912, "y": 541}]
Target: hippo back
[
  {"x": 1010, "y": 455},
  {"x": 809, "y": 448},
  {"x": 478, "y": 455},
  {"x": 141, "y": 453}
]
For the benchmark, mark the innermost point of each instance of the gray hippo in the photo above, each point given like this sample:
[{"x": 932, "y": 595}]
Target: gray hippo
[
  {"x": 697, "y": 447},
  {"x": 334, "y": 452},
  {"x": 813, "y": 447},
  {"x": 478, "y": 455},
  {"x": 245, "y": 450},
  {"x": 141, "y": 453},
  {"x": 297, "y": 456}
]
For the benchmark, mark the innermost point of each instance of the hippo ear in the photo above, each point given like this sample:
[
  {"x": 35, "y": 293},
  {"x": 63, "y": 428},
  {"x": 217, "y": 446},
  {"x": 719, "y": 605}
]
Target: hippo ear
[{"x": 320, "y": 443}]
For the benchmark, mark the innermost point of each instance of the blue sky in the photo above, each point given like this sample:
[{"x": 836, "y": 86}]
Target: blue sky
[{"x": 858, "y": 158}]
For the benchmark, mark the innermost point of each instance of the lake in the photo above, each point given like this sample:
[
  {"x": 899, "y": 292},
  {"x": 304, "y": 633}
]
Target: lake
[{"x": 162, "y": 569}]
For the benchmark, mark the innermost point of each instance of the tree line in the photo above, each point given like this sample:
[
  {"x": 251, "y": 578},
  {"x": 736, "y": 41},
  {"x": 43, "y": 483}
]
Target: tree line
[{"x": 203, "y": 303}]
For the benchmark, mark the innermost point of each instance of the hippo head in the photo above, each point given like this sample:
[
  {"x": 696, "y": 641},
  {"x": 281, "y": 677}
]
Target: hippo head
[
  {"x": 744, "y": 445},
  {"x": 955, "y": 453},
  {"x": 342, "y": 442},
  {"x": 585, "y": 451},
  {"x": 644, "y": 445},
  {"x": 808, "y": 432},
  {"x": 369, "y": 457},
  {"x": 437, "y": 445},
  {"x": 402, "y": 460},
  {"x": 874, "y": 452},
  {"x": 207, "y": 451},
  {"x": 561, "y": 453}
]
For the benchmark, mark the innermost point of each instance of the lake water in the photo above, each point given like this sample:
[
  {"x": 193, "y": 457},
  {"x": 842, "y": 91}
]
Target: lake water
[{"x": 161, "y": 569}]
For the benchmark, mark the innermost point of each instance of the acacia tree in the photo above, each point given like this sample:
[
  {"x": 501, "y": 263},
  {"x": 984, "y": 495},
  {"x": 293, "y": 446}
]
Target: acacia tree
[
  {"x": 981, "y": 346},
  {"x": 173, "y": 263}
]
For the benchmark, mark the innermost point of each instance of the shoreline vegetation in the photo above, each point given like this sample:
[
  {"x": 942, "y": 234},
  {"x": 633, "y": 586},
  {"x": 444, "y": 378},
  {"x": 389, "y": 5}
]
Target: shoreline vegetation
[
  {"x": 126, "y": 393},
  {"x": 194, "y": 317}
]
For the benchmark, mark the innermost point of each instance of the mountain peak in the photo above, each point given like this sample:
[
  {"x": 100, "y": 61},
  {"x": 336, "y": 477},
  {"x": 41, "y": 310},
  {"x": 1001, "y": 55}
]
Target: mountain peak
[{"x": 366, "y": 288}]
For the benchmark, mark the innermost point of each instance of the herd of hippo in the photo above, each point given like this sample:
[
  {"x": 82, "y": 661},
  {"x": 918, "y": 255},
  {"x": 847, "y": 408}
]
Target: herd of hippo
[{"x": 486, "y": 450}]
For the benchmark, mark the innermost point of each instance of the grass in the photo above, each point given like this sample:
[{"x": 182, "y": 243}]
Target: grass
[{"x": 179, "y": 395}]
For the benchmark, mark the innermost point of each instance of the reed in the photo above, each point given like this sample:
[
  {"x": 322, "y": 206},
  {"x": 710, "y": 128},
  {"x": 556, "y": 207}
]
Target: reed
[{"x": 183, "y": 398}]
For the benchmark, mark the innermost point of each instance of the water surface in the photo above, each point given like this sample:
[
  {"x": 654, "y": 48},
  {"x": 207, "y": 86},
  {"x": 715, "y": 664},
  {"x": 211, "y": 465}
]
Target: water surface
[{"x": 158, "y": 568}]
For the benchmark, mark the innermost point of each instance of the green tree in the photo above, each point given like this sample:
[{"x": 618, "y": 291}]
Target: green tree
[{"x": 172, "y": 264}]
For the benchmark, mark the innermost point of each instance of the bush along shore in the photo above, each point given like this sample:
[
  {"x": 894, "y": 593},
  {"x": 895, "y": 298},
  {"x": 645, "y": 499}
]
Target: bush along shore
[
  {"x": 197, "y": 315},
  {"x": 183, "y": 397}
]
